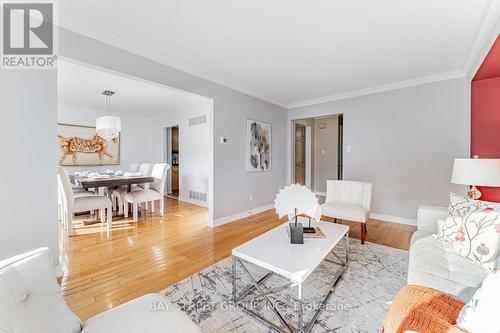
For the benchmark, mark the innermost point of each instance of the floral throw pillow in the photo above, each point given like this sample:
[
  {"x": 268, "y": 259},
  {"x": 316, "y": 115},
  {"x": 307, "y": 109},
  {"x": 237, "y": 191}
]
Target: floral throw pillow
[
  {"x": 460, "y": 206},
  {"x": 473, "y": 230}
]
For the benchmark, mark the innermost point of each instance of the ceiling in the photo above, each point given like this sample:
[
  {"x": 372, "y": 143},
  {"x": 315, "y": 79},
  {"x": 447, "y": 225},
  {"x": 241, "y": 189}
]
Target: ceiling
[
  {"x": 291, "y": 51},
  {"x": 491, "y": 65},
  {"x": 82, "y": 86}
]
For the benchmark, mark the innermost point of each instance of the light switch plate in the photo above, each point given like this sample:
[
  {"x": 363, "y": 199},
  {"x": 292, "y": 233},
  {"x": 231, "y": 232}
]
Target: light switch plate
[{"x": 348, "y": 148}]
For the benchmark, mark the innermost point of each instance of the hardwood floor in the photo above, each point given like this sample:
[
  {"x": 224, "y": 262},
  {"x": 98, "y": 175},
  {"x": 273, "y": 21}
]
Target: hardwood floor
[{"x": 137, "y": 259}]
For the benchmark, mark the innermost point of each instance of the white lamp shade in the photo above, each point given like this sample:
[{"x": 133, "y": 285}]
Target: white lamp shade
[
  {"x": 106, "y": 123},
  {"x": 476, "y": 171}
]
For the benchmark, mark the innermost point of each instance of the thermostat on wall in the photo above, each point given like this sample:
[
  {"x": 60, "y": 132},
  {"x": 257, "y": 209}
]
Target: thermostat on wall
[{"x": 223, "y": 140}]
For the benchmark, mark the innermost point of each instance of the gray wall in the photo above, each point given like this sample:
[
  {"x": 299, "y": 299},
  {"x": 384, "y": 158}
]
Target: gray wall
[
  {"x": 28, "y": 200},
  {"x": 403, "y": 141},
  {"x": 326, "y": 146},
  {"x": 232, "y": 185}
]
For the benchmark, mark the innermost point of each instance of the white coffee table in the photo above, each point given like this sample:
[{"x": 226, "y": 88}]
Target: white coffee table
[{"x": 294, "y": 262}]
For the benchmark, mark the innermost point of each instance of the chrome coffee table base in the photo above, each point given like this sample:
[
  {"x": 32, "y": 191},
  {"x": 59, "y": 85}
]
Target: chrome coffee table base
[{"x": 261, "y": 292}]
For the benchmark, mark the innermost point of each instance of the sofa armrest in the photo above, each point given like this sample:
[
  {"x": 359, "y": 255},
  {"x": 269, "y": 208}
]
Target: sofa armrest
[{"x": 428, "y": 216}]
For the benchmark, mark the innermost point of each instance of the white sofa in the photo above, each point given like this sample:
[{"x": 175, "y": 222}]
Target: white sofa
[
  {"x": 433, "y": 265},
  {"x": 31, "y": 301}
]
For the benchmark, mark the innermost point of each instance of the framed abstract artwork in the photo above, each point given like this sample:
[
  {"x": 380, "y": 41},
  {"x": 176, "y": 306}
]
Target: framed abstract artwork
[
  {"x": 82, "y": 146},
  {"x": 259, "y": 146}
]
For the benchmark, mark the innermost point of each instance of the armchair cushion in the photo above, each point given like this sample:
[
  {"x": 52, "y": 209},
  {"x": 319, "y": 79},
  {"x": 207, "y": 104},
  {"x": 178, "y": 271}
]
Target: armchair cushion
[
  {"x": 149, "y": 313},
  {"x": 345, "y": 211}
]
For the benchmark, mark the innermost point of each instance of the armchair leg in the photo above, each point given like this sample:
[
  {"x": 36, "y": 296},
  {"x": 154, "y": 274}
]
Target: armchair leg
[
  {"x": 363, "y": 233},
  {"x": 162, "y": 206},
  {"x": 366, "y": 230},
  {"x": 152, "y": 207}
]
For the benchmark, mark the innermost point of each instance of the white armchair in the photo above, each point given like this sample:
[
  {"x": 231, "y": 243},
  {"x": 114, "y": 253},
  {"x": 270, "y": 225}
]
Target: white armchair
[
  {"x": 155, "y": 192},
  {"x": 348, "y": 200},
  {"x": 73, "y": 203},
  {"x": 31, "y": 301}
]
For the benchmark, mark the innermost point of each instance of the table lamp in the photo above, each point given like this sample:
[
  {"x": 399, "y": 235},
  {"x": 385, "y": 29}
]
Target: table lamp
[{"x": 476, "y": 172}]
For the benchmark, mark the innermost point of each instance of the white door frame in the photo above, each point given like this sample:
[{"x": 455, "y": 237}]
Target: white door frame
[{"x": 308, "y": 144}]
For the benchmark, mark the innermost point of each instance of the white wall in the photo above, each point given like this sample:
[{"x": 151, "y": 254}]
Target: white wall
[
  {"x": 194, "y": 149},
  {"x": 28, "y": 200},
  {"x": 232, "y": 185},
  {"x": 136, "y": 137},
  {"x": 403, "y": 141}
]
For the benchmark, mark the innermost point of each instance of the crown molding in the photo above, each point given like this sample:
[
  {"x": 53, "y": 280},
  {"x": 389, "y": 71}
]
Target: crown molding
[
  {"x": 82, "y": 29},
  {"x": 382, "y": 88},
  {"x": 485, "y": 37}
]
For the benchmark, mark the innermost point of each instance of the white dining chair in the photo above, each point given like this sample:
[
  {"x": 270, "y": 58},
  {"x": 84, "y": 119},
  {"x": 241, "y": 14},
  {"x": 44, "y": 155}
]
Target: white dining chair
[
  {"x": 134, "y": 167},
  {"x": 74, "y": 203},
  {"x": 149, "y": 195},
  {"x": 118, "y": 194},
  {"x": 348, "y": 200},
  {"x": 145, "y": 170}
]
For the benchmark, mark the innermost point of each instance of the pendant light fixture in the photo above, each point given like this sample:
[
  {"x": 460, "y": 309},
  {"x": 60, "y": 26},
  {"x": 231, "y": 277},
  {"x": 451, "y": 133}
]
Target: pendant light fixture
[{"x": 108, "y": 127}]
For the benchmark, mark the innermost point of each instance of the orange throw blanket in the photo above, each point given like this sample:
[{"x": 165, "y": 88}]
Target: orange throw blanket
[{"x": 422, "y": 310}]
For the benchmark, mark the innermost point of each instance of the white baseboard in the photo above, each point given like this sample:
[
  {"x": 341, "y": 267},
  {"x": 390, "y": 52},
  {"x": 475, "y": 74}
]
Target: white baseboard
[
  {"x": 194, "y": 202},
  {"x": 241, "y": 215},
  {"x": 394, "y": 219},
  {"x": 247, "y": 213}
]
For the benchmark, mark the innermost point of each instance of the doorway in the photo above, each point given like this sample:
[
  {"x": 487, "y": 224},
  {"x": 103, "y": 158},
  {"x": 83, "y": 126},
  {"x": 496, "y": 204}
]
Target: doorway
[
  {"x": 173, "y": 151},
  {"x": 317, "y": 153}
]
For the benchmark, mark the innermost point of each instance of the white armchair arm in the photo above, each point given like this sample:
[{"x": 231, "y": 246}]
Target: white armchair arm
[{"x": 428, "y": 216}]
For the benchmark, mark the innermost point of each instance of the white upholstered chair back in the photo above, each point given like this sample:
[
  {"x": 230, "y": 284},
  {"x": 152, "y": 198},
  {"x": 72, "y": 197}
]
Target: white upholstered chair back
[
  {"x": 145, "y": 169},
  {"x": 134, "y": 167},
  {"x": 30, "y": 297},
  {"x": 349, "y": 191},
  {"x": 159, "y": 173},
  {"x": 65, "y": 187}
]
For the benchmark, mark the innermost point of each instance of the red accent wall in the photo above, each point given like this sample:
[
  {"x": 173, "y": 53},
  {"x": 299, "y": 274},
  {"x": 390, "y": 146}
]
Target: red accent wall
[{"x": 485, "y": 113}]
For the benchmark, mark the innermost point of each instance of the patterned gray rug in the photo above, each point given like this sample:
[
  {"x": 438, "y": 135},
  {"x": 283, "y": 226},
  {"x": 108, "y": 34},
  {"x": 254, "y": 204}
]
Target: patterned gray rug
[{"x": 358, "y": 304}]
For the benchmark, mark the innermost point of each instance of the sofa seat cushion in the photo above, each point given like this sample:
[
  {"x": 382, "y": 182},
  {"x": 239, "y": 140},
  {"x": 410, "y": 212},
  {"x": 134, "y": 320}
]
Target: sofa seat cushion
[
  {"x": 417, "y": 235},
  {"x": 146, "y": 314},
  {"x": 434, "y": 265},
  {"x": 345, "y": 211}
]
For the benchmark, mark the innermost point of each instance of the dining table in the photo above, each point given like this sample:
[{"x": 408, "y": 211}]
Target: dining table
[{"x": 110, "y": 182}]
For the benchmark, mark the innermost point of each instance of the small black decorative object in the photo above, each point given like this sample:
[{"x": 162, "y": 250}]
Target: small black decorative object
[
  {"x": 296, "y": 231},
  {"x": 309, "y": 229}
]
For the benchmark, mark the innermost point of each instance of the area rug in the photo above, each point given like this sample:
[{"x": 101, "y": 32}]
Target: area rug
[{"x": 359, "y": 303}]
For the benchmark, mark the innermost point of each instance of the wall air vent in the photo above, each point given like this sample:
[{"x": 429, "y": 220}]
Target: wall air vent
[
  {"x": 200, "y": 196},
  {"x": 198, "y": 120}
]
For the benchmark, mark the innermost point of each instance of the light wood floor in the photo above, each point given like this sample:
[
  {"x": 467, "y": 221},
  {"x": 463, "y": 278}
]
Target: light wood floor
[{"x": 137, "y": 259}]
